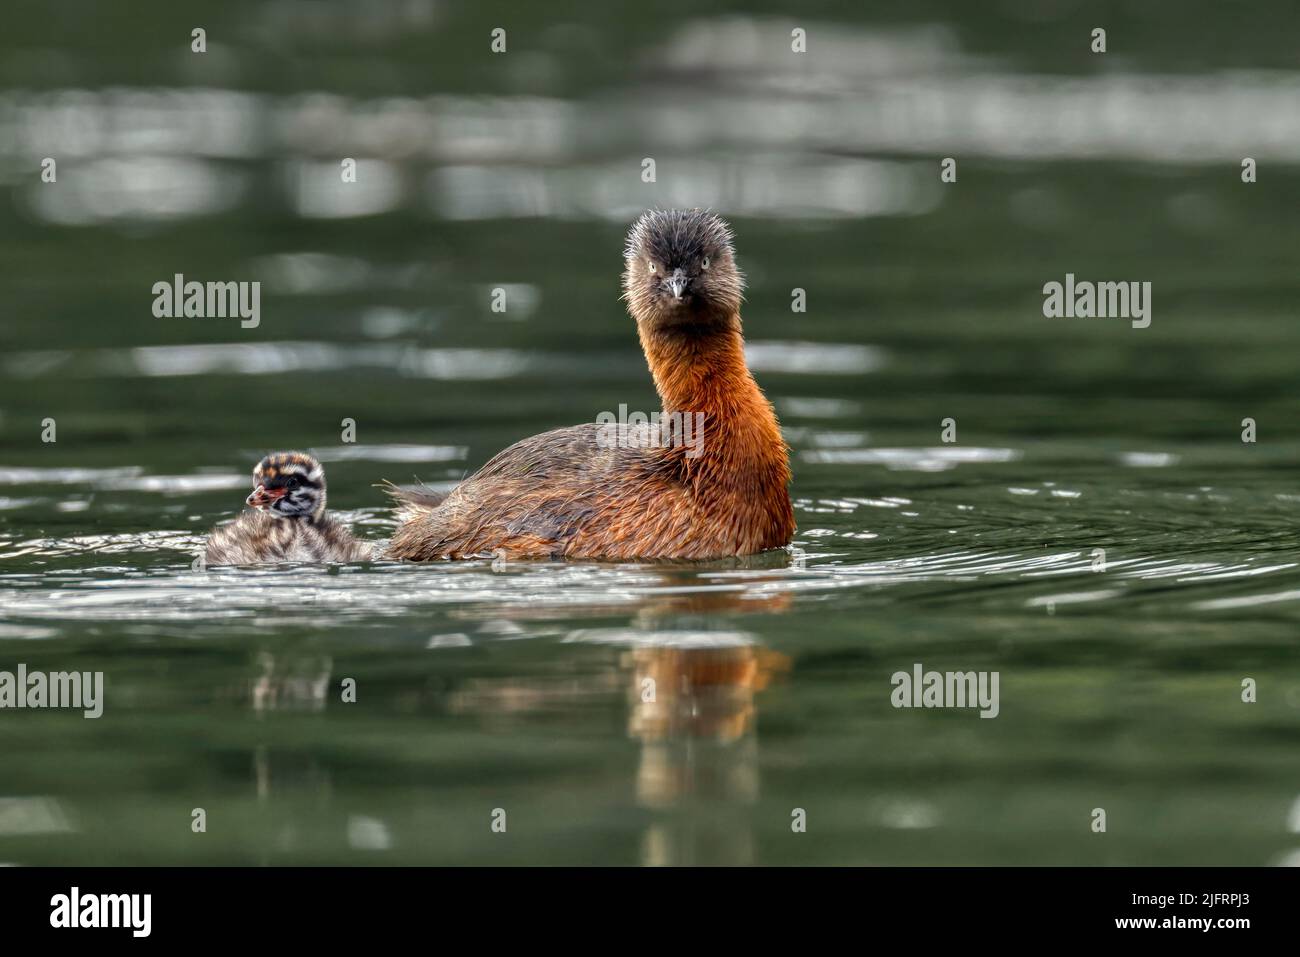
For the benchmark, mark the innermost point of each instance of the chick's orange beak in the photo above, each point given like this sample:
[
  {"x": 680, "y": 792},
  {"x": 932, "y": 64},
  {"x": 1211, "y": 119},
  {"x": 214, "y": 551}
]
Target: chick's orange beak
[{"x": 261, "y": 496}]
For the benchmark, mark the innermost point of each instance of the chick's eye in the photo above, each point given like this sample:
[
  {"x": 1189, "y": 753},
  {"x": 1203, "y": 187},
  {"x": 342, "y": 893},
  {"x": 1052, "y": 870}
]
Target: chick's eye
[
  {"x": 292, "y": 483},
  {"x": 650, "y": 266},
  {"x": 704, "y": 263}
]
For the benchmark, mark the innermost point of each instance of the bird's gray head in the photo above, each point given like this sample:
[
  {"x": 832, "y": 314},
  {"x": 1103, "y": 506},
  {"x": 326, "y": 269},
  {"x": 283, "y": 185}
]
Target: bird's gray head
[{"x": 680, "y": 271}]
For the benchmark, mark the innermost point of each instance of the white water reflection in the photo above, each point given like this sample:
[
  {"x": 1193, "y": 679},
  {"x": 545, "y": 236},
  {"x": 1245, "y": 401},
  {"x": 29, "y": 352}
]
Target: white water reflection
[
  {"x": 275, "y": 358},
  {"x": 744, "y": 185},
  {"x": 1148, "y": 460},
  {"x": 32, "y": 475},
  {"x": 813, "y": 358},
  {"x": 763, "y": 132},
  {"x": 130, "y": 479},
  {"x": 333, "y": 596},
  {"x": 391, "y": 453},
  {"x": 140, "y": 187},
  {"x": 27, "y": 816},
  {"x": 317, "y": 190},
  {"x": 935, "y": 459},
  {"x": 684, "y": 639}
]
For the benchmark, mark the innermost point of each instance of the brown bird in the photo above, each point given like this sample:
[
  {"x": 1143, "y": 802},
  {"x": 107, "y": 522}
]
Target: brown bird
[
  {"x": 709, "y": 481},
  {"x": 287, "y": 520}
]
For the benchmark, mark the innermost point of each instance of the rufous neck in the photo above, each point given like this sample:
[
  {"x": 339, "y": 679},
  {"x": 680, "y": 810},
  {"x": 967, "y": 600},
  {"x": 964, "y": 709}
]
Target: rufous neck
[
  {"x": 699, "y": 372},
  {"x": 704, "y": 377}
]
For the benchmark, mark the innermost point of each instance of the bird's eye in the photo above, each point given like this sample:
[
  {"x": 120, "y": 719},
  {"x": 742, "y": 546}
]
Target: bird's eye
[
  {"x": 650, "y": 266},
  {"x": 704, "y": 263},
  {"x": 292, "y": 483}
]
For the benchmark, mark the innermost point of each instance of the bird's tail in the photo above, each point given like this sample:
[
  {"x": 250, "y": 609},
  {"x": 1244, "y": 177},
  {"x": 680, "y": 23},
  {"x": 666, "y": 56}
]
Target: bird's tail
[{"x": 421, "y": 497}]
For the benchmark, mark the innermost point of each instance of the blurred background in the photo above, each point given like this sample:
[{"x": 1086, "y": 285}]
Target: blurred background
[{"x": 521, "y": 687}]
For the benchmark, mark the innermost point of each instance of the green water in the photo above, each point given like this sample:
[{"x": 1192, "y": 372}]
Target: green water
[{"x": 519, "y": 688}]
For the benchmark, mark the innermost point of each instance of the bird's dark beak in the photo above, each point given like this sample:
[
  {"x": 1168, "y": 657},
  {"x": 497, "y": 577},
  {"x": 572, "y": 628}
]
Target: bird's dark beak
[
  {"x": 677, "y": 283},
  {"x": 261, "y": 497}
]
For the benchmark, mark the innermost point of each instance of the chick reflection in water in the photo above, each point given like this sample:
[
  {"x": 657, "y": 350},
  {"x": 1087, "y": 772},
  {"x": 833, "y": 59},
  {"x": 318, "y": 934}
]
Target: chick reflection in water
[
  {"x": 292, "y": 784},
  {"x": 694, "y": 710}
]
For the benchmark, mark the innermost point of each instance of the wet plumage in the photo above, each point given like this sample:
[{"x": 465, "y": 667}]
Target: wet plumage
[
  {"x": 574, "y": 493},
  {"x": 287, "y": 520}
]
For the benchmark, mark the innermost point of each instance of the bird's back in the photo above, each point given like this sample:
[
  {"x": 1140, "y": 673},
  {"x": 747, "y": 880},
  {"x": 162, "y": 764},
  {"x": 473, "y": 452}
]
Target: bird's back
[
  {"x": 256, "y": 538},
  {"x": 574, "y": 493}
]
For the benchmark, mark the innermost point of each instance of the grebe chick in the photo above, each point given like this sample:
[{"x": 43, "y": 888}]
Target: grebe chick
[
  {"x": 287, "y": 521},
  {"x": 572, "y": 493}
]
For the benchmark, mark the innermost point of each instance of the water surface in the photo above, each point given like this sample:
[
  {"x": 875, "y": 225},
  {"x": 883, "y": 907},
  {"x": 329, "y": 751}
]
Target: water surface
[{"x": 1098, "y": 534}]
